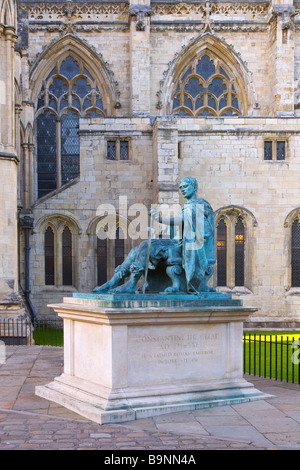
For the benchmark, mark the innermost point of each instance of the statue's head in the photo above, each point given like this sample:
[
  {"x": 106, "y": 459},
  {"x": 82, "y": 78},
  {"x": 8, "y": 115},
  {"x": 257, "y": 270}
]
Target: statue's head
[{"x": 190, "y": 181}]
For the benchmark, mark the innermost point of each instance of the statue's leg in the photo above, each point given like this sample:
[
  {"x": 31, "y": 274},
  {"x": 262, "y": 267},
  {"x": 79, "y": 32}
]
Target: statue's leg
[
  {"x": 130, "y": 285},
  {"x": 113, "y": 282},
  {"x": 174, "y": 268},
  {"x": 121, "y": 272},
  {"x": 208, "y": 274},
  {"x": 175, "y": 273},
  {"x": 137, "y": 269}
]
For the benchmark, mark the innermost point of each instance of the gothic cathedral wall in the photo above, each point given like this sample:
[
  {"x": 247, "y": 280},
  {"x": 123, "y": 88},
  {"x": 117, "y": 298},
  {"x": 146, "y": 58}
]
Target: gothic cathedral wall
[
  {"x": 159, "y": 91},
  {"x": 10, "y": 300}
]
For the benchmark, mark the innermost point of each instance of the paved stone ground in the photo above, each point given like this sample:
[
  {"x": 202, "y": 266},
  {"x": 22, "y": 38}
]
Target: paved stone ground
[{"x": 30, "y": 422}]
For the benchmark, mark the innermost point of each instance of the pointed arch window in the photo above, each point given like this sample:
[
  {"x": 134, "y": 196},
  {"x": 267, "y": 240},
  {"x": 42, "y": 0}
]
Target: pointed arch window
[
  {"x": 101, "y": 261},
  {"x": 67, "y": 265},
  {"x": 49, "y": 257},
  {"x": 119, "y": 247},
  {"x": 206, "y": 88},
  {"x": 296, "y": 254},
  {"x": 110, "y": 254},
  {"x": 221, "y": 254},
  {"x": 232, "y": 251},
  {"x": 68, "y": 93},
  {"x": 239, "y": 253},
  {"x": 59, "y": 255}
]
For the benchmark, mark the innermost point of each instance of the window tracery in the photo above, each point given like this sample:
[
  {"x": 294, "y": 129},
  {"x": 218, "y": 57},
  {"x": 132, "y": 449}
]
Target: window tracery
[
  {"x": 110, "y": 254},
  {"x": 68, "y": 93},
  {"x": 58, "y": 242},
  {"x": 205, "y": 88},
  {"x": 234, "y": 238},
  {"x": 49, "y": 257},
  {"x": 67, "y": 257},
  {"x": 231, "y": 241},
  {"x": 239, "y": 253},
  {"x": 295, "y": 254},
  {"x": 221, "y": 253}
]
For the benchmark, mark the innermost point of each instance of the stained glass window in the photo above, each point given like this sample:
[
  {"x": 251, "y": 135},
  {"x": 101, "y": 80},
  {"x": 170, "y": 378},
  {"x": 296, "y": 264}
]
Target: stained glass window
[
  {"x": 124, "y": 150},
  {"x": 58, "y": 88},
  {"x": 103, "y": 247},
  {"x": 67, "y": 256},
  {"x": 239, "y": 240},
  {"x": 268, "y": 150},
  {"x": 111, "y": 150},
  {"x": 222, "y": 254},
  {"x": 231, "y": 236},
  {"x": 280, "y": 150},
  {"x": 58, "y": 257},
  {"x": 117, "y": 150},
  {"x": 46, "y": 153},
  {"x": 119, "y": 247},
  {"x": 205, "y": 89},
  {"x": 70, "y": 68},
  {"x": 274, "y": 149},
  {"x": 296, "y": 254},
  {"x": 101, "y": 261},
  {"x": 49, "y": 257},
  {"x": 81, "y": 87},
  {"x": 69, "y": 147},
  {"x": 68, "y": 93}
]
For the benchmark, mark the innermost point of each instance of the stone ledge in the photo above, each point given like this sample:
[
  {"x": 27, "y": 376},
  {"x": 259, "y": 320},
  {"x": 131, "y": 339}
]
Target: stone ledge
[{"x": 64, "y": 395}]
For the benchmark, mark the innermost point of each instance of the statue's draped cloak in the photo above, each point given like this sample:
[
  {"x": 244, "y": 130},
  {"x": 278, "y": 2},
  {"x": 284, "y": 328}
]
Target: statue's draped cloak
[{"x": 198, "y": 229}]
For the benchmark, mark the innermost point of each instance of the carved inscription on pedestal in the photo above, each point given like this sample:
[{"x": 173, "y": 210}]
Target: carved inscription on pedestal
[
  {"x": 163, "y": 354},
  {"x": 177, "y": 349}
]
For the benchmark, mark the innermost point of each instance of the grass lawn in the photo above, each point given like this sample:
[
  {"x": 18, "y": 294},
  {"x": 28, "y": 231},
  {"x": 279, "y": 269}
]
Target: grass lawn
[
  {"x": 273, "y": 354},
  {"x": 45, "y": 335}
]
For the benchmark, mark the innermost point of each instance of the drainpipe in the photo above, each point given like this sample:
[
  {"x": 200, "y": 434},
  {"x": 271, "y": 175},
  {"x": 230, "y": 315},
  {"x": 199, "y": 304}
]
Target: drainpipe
[{"x": 26, "y": 223}]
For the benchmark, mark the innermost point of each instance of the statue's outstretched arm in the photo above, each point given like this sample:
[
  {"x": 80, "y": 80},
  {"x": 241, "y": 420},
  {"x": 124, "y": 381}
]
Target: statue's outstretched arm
[{"x": 164, "y": 220}]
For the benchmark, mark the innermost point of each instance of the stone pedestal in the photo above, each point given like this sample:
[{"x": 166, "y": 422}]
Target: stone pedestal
[{"x": 134, "y": 356}]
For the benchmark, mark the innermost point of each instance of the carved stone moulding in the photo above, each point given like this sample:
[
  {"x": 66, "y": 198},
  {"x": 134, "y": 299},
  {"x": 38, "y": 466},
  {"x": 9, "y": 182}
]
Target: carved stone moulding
[
  {"x": 104, "y": 11},
  {"x": 76, "y": 11},
  {"x": 75, "y": 27},
  {"x": 189, "y": 26},
  {"x": 250, "y": 10}
]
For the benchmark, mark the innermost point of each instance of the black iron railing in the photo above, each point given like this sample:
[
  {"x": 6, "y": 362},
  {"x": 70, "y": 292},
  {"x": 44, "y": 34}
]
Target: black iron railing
[
  {"x": 274, "y": 356},
  {"x": 22, "y": 332}
]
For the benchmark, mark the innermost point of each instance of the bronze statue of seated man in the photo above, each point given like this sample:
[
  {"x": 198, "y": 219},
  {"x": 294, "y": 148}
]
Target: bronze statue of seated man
[{"x": 187, "y": 262}]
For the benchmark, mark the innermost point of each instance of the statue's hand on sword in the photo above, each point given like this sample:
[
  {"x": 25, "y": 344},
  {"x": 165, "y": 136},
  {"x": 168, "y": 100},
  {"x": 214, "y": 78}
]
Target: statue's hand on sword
[{"x": 154, "y": 214}]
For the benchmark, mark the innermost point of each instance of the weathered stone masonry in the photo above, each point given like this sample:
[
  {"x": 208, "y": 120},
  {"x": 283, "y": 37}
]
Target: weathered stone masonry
[{"x": 141, "y": 57}]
